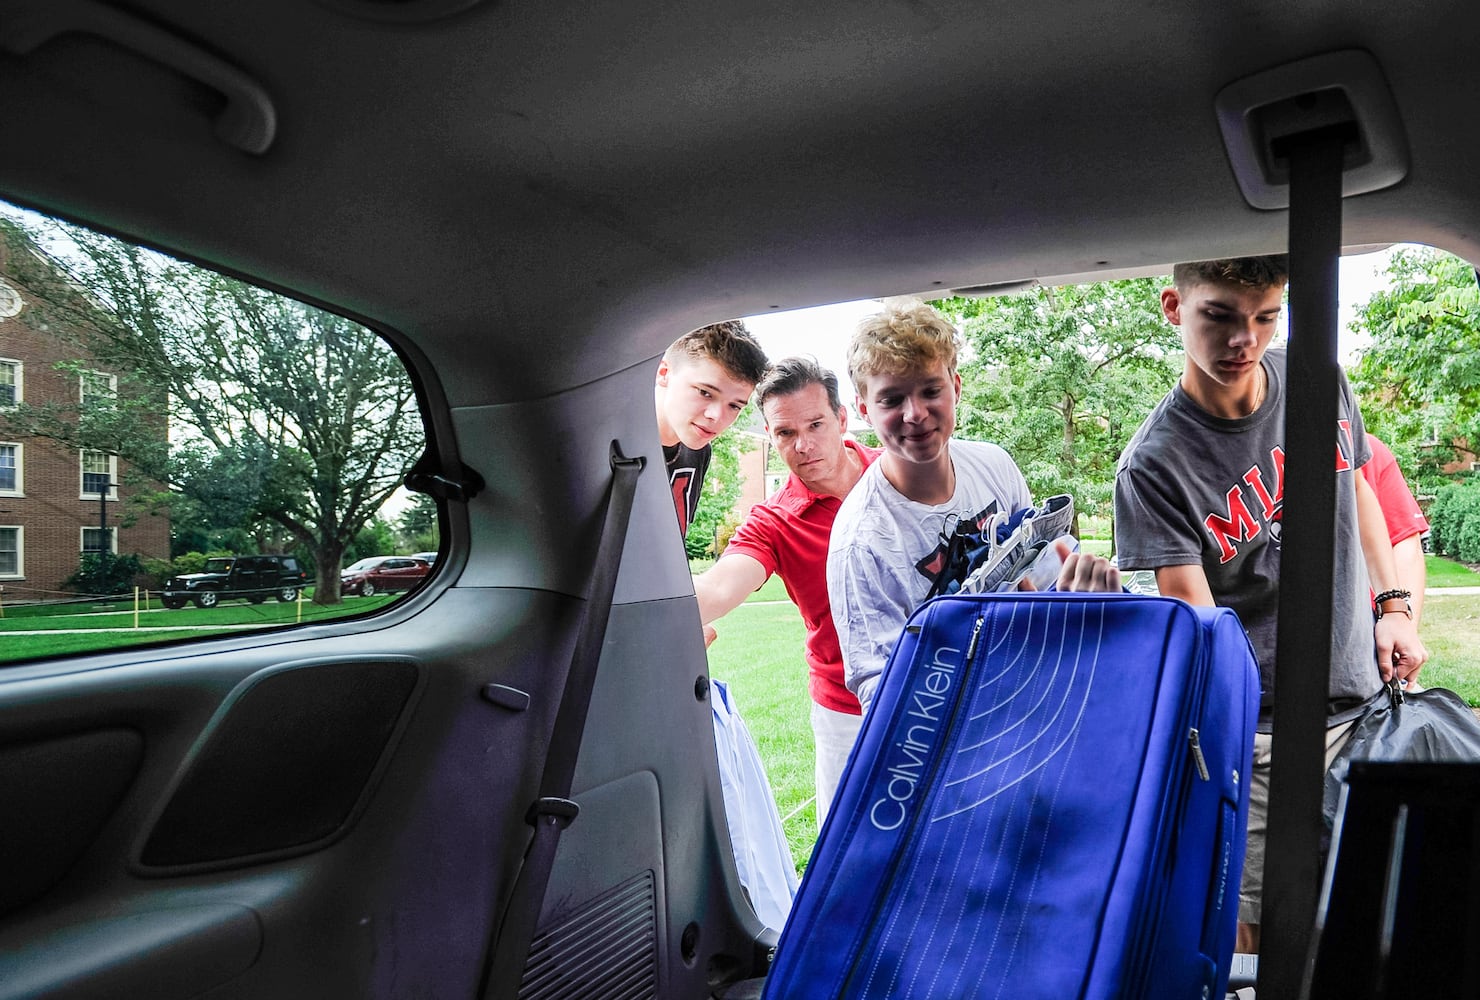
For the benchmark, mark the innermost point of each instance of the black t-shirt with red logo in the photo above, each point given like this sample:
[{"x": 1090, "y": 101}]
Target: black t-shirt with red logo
[{"x": 686, "y": 468}]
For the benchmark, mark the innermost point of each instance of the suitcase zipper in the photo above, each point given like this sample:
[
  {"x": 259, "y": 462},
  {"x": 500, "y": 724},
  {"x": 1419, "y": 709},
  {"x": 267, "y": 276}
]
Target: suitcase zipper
[
  {"x": 976, "y": 634},
  {"x": 1195, "y": 744}
]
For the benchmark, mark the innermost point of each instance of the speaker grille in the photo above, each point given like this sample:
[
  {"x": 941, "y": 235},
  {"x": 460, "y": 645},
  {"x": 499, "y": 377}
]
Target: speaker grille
[{"x": 605, "y": 950}]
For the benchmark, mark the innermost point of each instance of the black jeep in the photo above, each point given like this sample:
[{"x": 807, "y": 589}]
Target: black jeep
[{"x": 254, "y": 577}]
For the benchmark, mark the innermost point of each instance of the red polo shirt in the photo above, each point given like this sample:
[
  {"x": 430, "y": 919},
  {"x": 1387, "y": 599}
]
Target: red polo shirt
[
  {"x": 1401, "y": 512},
  {"x": 788, "y": 535}
]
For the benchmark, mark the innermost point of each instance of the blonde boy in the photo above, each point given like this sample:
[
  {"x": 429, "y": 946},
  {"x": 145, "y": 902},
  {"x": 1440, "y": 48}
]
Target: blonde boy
[{"x": 889, "y": 535}]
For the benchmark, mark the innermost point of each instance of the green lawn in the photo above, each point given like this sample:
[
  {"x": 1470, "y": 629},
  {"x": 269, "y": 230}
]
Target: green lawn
[
  {"x": 78, "y": 627},
  {"x": 1095, "y": 546},
  {"x": 1451, "y": 631},
  {"x": 1448, "y": 573},
  {"x": 759, "y": 655}
]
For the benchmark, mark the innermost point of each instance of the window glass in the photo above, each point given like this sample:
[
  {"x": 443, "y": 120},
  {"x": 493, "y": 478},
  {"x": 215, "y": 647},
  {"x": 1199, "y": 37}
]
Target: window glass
[
  {"x": 10, "y": 468},
  {"x": 99, "y": 473},
  {"x": 93, "y": 540},
  {"x": 10, "y": 551},
  {"x": 182, "y": 442},
  {"x": 10, "y": 381},
  {"x": 97, "y": 388}
]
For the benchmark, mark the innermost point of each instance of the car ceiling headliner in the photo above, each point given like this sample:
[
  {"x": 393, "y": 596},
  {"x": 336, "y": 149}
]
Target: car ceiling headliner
[{"x": 603, "y": 177}]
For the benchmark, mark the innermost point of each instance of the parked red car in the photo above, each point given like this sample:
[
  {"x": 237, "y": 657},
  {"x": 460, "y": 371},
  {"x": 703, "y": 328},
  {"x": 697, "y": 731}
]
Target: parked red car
[{"x": 380, "y": 574}]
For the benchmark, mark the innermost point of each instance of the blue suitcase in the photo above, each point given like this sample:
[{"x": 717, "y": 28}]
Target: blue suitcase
[{"x": 1047, "y": 800}]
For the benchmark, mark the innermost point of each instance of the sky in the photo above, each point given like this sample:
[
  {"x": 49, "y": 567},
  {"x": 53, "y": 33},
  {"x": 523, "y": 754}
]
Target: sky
[{"x": 823, "y": 331}]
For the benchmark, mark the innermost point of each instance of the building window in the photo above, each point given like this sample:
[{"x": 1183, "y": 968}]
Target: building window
[
  {"x": 99, "y": 470},
  {"x": 97, "y": 387},
  {"x": 11, "y": 564},
  {"x": 11, "y": 483},
  {"x": 10, "y": 382},
  {"x": 92, "y": 541}
]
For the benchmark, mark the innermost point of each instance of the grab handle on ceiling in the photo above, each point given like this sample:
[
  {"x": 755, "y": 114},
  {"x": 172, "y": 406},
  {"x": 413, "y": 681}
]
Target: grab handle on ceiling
[
  {"x": 1344, "y": 91},
  {"x": 248, "y": 121}
]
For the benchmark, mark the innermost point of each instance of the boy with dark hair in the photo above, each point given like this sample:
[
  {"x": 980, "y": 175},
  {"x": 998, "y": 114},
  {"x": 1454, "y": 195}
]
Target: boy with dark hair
[
  {"x": 704, "y": 380},
  {"x": 1198, "y": 497}
]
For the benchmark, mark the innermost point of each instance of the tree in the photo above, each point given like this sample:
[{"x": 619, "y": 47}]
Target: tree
[
  {"x": 417, "y": 526},
  {"x": 721, "y": 485},
  {"x": 376, "y": 538},
  {"x": 279, "y": 413},
  {"x": 1062, "y": 377},
  {"x": 1418, "y": 380}
]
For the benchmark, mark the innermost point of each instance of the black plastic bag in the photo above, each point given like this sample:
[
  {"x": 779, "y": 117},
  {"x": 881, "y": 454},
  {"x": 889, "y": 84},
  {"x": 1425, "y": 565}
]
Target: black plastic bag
[{"x": 1432, "y": 725}]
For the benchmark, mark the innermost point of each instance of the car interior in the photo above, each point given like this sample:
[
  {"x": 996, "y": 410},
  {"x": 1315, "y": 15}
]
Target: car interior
[{"x": 529, "y": 202}]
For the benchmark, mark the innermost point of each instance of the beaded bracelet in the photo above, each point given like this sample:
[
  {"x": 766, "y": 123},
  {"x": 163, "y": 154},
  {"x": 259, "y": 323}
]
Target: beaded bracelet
[{"x": 1393, "y": 595}]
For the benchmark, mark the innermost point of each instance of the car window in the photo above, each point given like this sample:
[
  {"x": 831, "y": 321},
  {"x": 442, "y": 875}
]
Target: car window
[{"x": 183, "y": 454}]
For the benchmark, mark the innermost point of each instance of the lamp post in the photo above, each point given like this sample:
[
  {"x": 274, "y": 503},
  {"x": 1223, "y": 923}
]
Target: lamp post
[{"x": 103, "y": 531}]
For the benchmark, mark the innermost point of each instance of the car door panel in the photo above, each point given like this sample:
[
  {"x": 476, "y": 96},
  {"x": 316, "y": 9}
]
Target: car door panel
[
  {"x": 414, "y": 872},
  {"x": 398, "y": 893},
  {"x": 170, "y": 953}
]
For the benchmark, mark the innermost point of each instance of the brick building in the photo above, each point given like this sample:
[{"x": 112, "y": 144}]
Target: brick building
[{"x": 54, "y": 499}]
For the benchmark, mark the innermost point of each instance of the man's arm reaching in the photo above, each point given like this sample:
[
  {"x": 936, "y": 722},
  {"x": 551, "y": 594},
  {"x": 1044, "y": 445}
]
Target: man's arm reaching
[{"x": 721, "y": 588}]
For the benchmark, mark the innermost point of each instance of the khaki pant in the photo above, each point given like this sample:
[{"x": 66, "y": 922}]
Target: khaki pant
[
  {"x": 1251, "y": 889},
  {"x": 833, "y": 736}
]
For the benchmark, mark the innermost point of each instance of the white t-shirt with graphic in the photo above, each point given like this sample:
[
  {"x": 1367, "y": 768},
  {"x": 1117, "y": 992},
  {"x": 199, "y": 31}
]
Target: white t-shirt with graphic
[{"x": 885, "y": 547}]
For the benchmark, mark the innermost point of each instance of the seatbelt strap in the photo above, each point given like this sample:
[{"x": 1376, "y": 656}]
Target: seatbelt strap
[
  {"x": 553, "y": 811},
  {"x": 1303, "y": 635}
]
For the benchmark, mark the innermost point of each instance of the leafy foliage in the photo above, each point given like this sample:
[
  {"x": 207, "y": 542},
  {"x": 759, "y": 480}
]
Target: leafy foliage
[
  {"x": 417, "y": 527},
  {"x": 287, "y": 423},
  {"x": 376, "y": 538},
  {"x": 1454, "y": 518},
  {"x": 708, "y": 531},
  {"x": 1062, "y": 377},
  {"x": 1419, "y": 379},
  {"x": 105, "y": 575}
]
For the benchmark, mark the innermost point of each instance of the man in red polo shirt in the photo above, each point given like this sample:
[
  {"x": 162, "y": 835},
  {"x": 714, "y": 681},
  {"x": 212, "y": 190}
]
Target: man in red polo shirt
[{"x": 788, "y": 535}]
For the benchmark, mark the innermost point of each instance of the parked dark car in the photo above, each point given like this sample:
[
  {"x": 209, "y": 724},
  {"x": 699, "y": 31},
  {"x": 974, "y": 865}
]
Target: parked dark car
[
  {"x": 383, "y": 574},
  {"x": 255, "y": 578}
]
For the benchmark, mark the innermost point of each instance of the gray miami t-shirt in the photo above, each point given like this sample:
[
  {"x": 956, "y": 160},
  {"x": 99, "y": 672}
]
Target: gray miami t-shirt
[{"x": 1192, "y": 488}]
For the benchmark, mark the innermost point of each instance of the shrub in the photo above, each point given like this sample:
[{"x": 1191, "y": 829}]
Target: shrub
[
  {"x": 1467, "y": 547},
  {"x": 156, "y": 572},
  {"x": 1455, "y": 520},
  {"x": 375, "y": 539},
  {"x": 99, "y": 576},
  {"x": 724, "y": 533}
]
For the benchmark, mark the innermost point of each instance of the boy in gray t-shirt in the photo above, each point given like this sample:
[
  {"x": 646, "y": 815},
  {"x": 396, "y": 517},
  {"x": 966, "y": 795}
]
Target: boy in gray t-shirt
[{"x": 1198, "y": 498}]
